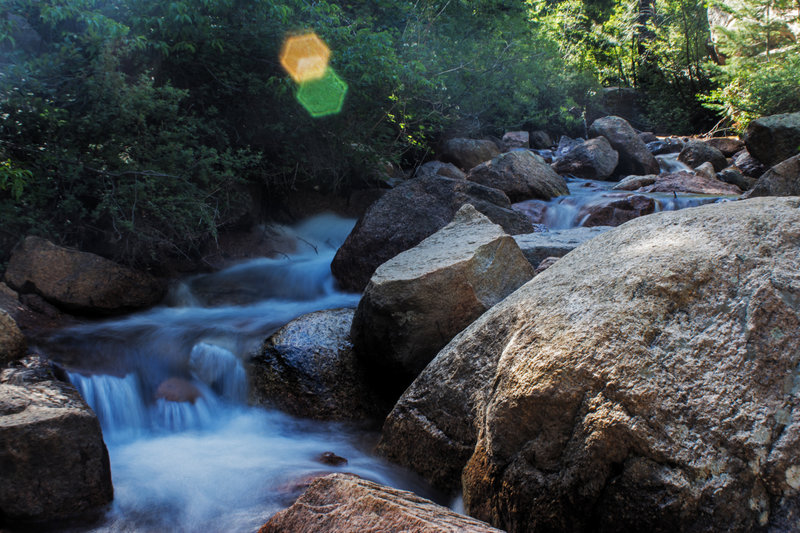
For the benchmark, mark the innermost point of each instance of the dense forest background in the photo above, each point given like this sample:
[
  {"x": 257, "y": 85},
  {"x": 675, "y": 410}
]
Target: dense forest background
[{"x": 142, "y": 127}]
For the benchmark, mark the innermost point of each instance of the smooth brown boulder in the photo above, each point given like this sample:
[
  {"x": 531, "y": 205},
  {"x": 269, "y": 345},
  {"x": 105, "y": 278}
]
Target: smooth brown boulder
[
  {"x": 308, "y": 368},
  {"x": 468, "y": 153},
  {"x": 593, "y": 159},
  {"x": 78, "y": 281},
  {"x": 410, "y": 212},
  {"x": 54, "y": 461},
  {"x": 12, "y": 341},
  {"x": 695, "y": 153},
  {"x": 685, "y": 182},
  {"x": 774, "y": 139},
  {"x": 781, "y": 180},
  {"x": 645, "y": 382},
  {"x": 727, "y": 145},
  {"x": 418, "y": 300},
  {"x": 634, "y": 157},
  {"x": 522, "y": 175},
  {"x": 346, "y": 503},
  {"x": 632, "y": 183}
]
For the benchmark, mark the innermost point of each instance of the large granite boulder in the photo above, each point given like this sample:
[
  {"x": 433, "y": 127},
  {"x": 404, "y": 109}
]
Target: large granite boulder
[
  {"x": 593, "y": 159},
  {"x": 346, "y": 503},
  {"x": 308, "y": 369},
  {"x": 420, "y": 299},
  {"x": 781, "y": 180},
  {"x": 690, "y": 183},
  {"x": 695, "y": 153},
  {"x": 536, "y": 247},
  {"x": 468, "y": 153},
  {"x": 79, "y": 281},
  {"x": 54, "y": 461},
  {"x": 727, "y": 145},
  {"x": 645, "y": 382},
  {"x": 634, "y": 157},
  {"x": 774, "y": 139},
  {"x": 410, "y": 212},
  {"x": 12, "y": 341},
  {"x": 522, "y": 175}
]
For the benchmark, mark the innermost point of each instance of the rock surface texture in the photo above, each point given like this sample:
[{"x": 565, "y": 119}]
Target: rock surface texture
[
  {"x": 522, "y": 175},
  {"x": 468, "y": 153},
  {"x": 593, "y": 159},
  {"x": 12, "y": 342},
  {"x": 308, "y": 368},
  {"x": 774, "y": 139},
  {"x": 536, "y": 247},
  {"x": 54, "y": 462},
  {"x": 781, "y": 180},
  {"x": 419, "y": 300},
  {"x": 437, "y": 168},
  {"x": 79, "y": 281},
  {"x": 648, "y": 381},
  {"x": 634, "y": 157},
  {"x": 695, "y": 153},
  {"x": 410, "y": 212},
  {"x": 686, "y": 182},
  {"x": 342, "y": 503}
]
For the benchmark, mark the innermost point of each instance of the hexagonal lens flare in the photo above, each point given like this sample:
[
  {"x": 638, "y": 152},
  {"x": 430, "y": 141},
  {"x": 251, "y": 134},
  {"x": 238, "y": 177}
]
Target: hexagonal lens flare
[
  {"x": 323, "y": 96},
  {"x": 305, "y": 57}
]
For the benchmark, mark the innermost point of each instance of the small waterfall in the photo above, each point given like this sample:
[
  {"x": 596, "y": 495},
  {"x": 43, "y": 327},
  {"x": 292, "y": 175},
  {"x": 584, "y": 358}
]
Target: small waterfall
[
  {"x": 117, "y": 402},
  {"x": 669, "y": 164},
  {"x": 220, "y": 370}
]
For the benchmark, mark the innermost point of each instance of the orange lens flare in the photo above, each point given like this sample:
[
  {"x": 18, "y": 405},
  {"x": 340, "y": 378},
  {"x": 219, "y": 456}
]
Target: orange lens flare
[{"x": 305, "y": 57}]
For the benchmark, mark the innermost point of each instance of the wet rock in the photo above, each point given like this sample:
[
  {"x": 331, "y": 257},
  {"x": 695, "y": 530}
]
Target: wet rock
[
  {"x": 178, "y": 390},
  {"x": 409, "y": 213},
  {"x": 695, "y": 153},
  {"x": 541, "y": 140},
  {"x": 615, "y": 209},
  {"x": 417, "y": 301},
  {"x": 545, "y": 264},
  {"x": 54, "y": 462},
  {"x": 593, "y": 159},
  {"x": 31, "y": 312},
  {"x": 670, "y": 145},
  {"x": 647, "y": 137},
  {"x": 634, "y": 157},
  {"x": 346, "y": 503},
  {"x": 515, "y": 139},
  {"x": 79, "y": 281},
  {"x": 773, "y": 139},
  {"x": 645, "y": 382},
  {"x": 706, "y": 170},
  {"x": 781, "y": 180},
  {"x": 554, "y": 243},
  {"x": 727, "y": 145},
  {"x": 12, "y": 342},
  {"x": 749, "y": 165},
  {"x": 468, "y": 153},
  {"x": 521, "y": 175},
  {"x": 308, "y": 369},
  {"x": 684, "y": 182},
  {"x": 437, "y": 168},
  {"x": 331, "y": 459},
  {"x": 632, "y": 183},
  {"x": 734, "y": 176}
]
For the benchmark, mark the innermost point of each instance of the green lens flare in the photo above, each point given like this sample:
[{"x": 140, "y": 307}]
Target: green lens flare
[{"x": 323, "y": 96}]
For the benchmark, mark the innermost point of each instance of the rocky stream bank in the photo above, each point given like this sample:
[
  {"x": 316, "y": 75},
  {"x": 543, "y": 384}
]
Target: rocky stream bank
[{"x": 589, "y": 335}]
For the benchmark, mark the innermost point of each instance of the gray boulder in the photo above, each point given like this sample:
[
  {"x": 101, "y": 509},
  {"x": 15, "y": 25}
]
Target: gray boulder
[
  {"x": 593, "y": 159},
  {"x": 633, "y": 183},
  {"x": 634, "y": 157},
  {"x": 541, "y": 140},
  {"x": 685, "y": 182},
  {"x": 695, "y": 153},
  {"x": 749, "y": 165},
  {"x": 515, "y": 139},
  {"x": 468, "y": 153},
  {"x": 781, "y": 180},
  {"x": 727, "y": 145},
  {"x": 410, "y": 212},
  {"x": 774, "y": 139},
  {"x": 418, "y": 300},
  {"x": 438, "y": 168},
  {"x": 555, "y": 243},
  {"x": 645, "y": 382},
  {"x": 522, "y": 175},
  {"x": 734, "y": 176},
  {"x": 54, "y": 461}
]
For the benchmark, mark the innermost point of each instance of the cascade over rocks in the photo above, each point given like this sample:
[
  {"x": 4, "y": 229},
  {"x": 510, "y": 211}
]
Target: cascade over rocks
[
  {"x": 773, "y": 139},
  {"x": 781, "y": 180},
  {"x": 410, "y": 212},
  {"x": 645, "y": 382},
  {"x": 522, "y": 175},
  {"x": 54, "y": 461},
  {"x": 536, "y": 247},
  {"x": 308, "y": 369},
  {"x": 12, "y": 342},
  {"x": 345, "y": 503},
  {"x": 615, "y": 209},
  {"x": 634, "y": 157},
  {"x": 593, "y": 159},
  {"x": 687, "y": 182},
  {"x": 468, "y": 153},
  {"x": 695, "y": 153},
  {"x": 418, "y": 300},
  {"x": 79, "y": 281}
]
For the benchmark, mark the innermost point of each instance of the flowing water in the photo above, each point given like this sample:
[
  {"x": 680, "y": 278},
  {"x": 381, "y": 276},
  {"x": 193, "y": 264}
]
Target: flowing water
[{"x": 212, "y": 464}]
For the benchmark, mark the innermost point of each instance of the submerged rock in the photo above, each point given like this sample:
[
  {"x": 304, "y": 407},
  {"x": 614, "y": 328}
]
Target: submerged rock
[
  {"x": 645, "y": 382},
  {"x": 417, "y": 301},
  {"x": 79, "y": 281},
  {"x": 634, "y": 157},
  {"x": 308, "y": 368},
  {"x": 774, "y": 139},
  {"x": 468, "y": 153},
  {"x": 347, "y": 503},
  {"x": 781, "y": 180},
  {"x": 522, "y": 175},
  {"x": 54, "y": 462},
  {"x": 410, "y": 212}
]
